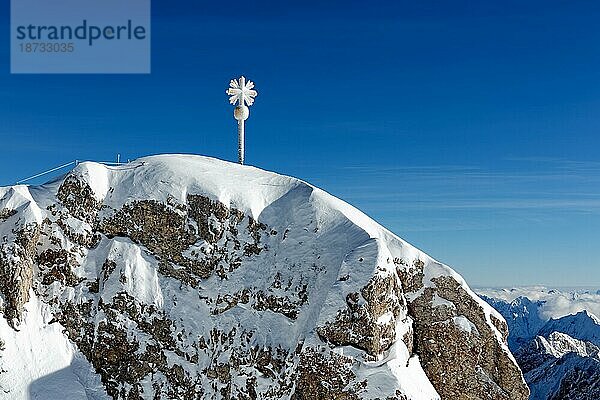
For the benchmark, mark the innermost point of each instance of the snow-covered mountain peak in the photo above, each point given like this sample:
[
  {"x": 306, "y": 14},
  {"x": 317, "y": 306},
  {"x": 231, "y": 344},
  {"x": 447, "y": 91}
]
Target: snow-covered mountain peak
[
  {"x": 172, "y": 177},
  {"x": 583, "y": 325},
  {"x": 181, "y": 275},
  {"x": 558, "y": 344}
]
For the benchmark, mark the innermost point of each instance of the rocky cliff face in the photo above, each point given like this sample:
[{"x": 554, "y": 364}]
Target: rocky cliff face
[{"x": 187, "y": 277}]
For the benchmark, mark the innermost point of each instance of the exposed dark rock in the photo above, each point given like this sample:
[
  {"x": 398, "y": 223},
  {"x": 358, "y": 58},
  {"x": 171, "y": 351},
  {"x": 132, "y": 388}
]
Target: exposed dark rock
[
  {"x": 88, "y": 239},
  {"x": 462, "y": 364},
  {"x": 357, "y": 325},
  {"x": 57, "y": 265},
  {"x": 206, "y": 211},
  {"x": 324, "y": 375},
  {"x": 6, "y": 213},
  {"x": 77, "y": 196},
  {"x": 159, "y": 227},
  {"x": 16, "y": 270},
  {"x": 170, "y": 230}
]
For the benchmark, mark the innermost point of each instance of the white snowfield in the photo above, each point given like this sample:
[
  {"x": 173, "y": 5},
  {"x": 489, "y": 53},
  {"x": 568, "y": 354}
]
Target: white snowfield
[{"x": 39, "y": 361}]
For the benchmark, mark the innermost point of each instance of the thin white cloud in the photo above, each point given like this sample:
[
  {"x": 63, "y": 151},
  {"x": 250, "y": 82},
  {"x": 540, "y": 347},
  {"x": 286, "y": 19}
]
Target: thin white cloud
[{"x": 530, "y": 183}]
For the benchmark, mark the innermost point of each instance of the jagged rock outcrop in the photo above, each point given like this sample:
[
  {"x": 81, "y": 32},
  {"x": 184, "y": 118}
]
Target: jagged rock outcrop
[
  {"x": 187, "y": 277},
  {"x": 457, "y": 349},
  {"x": 17, "y": 250}
]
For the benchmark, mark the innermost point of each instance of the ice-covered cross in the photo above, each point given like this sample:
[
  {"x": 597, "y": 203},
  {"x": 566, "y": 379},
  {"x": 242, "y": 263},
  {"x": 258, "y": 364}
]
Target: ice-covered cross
[{"x": 241, "y": 92}]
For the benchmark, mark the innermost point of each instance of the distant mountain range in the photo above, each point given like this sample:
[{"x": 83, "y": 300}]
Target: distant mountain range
[{"x": 555, "y": 338}]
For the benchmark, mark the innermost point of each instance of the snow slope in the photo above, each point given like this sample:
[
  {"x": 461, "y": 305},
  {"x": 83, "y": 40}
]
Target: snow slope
[{"x": 39, "y": 361}]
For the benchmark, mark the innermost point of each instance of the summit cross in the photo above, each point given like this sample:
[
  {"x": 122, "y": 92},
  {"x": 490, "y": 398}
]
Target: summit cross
[{"x": 242, "y": 93}]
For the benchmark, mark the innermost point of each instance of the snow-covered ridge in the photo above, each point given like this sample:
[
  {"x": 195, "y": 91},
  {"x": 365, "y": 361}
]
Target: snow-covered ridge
[
  {"x": 185, "y": 274},
  {"x": 559, "y": 344},
  {"x": 583, "y": 325}
]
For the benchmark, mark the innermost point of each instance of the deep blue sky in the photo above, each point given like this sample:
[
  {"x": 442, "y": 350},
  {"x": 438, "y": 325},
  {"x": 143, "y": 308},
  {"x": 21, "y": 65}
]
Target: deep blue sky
[{"x": 469, "y": 128}]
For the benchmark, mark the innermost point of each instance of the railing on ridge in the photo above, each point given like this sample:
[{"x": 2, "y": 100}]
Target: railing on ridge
[{"x": 74, "y": 162}]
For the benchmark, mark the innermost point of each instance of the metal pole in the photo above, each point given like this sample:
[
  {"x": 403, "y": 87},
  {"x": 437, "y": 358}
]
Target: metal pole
[
  {"x": 242, "y": 95},
  {"x": 241, "y": 127},
  {"x": 241, "y": 141}
]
